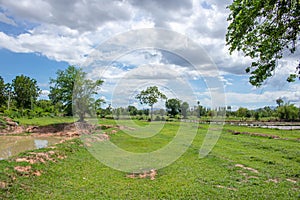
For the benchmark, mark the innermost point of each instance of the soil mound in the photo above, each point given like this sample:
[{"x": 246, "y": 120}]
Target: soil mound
[
  {"x": 8, "y": 126},
  {"x": 62, "y": 129}
]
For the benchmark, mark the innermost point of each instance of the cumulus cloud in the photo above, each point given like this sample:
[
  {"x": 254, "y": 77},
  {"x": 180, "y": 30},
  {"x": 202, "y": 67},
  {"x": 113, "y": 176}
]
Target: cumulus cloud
[
  {"x": 6, "y": 20},
  {"x": 163, "y": 12},
  {"x": 69, "y": 32},
  {"x": 50, "y": 43},
  {"x": 74, "y": 32},
  {"x": 80, "y": 15}
]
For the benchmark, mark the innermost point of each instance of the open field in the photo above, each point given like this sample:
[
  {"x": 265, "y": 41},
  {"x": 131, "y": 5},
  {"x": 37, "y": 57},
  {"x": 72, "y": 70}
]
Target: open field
[
  {"x": 43, "y": 121},
  {"x": 239, "y": 167}
]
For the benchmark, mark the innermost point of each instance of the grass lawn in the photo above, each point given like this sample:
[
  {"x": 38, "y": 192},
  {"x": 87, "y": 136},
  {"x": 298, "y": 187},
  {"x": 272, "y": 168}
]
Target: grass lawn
[
  {"x": 43, "y": 121},
  {"x": 239, "y": 167}
]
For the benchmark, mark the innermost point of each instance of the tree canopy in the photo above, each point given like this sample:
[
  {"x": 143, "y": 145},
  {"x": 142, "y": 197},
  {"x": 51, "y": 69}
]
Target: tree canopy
[
  {"x": 61, "y": 90},
  {"x": 83, "y": 101},
  {"x": 150, "y": 96},
  {"x": 184, "y": 109},
  {"x": 25, "y": 91},
  {"x": 266, "y": 31},
  {"x": 173, "y": 106},
  {"x": 74, "y": 91},
  {"x": 2, "y": 92}
]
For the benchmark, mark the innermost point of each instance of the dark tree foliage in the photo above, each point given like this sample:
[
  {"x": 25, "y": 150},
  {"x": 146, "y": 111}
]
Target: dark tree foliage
[
  {"x": 173, "y": 106},
  {"x": 2, "y": 92},
  {"x": 266, "y": 31},
  {"x": 61, "y": 90},
  {"x": 287, "y": 112},
  {"x": 74, "y": 91},
  {"x": 25, "y": 91},
  {"x": 184, "y": 109},
  {"x": 132, "y": 110}
]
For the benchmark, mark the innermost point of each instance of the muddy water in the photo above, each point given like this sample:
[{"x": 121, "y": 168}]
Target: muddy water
[
  {"x": 283, "y": 127},
  {"x": 12, "y": 145}
]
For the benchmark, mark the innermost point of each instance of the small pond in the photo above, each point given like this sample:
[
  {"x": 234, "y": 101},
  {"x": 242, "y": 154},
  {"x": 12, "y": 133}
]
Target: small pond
[
  {"x": 281, "y": 127},
  {"x": 12, "y": 145}
]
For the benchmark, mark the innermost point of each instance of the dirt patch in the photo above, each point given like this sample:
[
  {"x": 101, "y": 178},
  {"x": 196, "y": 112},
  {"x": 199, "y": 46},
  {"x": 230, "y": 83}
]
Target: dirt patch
[
  {"x": 120, "y": 127},
  {"x": 41, "y": 157},
  {"x": 113, "y": 132},
  {"x": 88, "y": 141},
  {"x": 36, "y": 157},
  {"x": 247, "y": 177},
  {"x": 228, "y": 188},
  {"x": 64, "y": 129},
  {"x": 23, "y": 169},
  {"x": 11, "y": 127},
  {"x": 254, "y": 134},
  {"x": 274, "y": 180},
  {"x": 247, "y": 168},
  {"x": 106, "y": 126},
  {"x": 37, "y": 173},
  {"x": 291, "y": 180},
  {"x": 151, "y": 174},
  {"x": 125, "y": 128},
  {"x": 104, "y": 136},
  {"x": 2, "y": 185},
  {"x": 27, "y": 171}
]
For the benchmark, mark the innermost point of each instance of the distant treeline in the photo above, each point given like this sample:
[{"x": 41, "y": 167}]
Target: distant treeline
[{"x": 20, "y": 99}]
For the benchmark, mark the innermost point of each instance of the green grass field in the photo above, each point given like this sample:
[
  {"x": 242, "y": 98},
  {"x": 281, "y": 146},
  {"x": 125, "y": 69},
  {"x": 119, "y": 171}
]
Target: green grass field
[
  {"x": 238, "y": 167},
  {"x": 43, "y": 121}
]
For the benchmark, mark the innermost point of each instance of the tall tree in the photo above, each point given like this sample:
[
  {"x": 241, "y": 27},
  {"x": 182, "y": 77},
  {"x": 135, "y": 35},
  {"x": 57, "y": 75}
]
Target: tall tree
[
  {"x": 2, "y": 92},
  {"x": 199, "y": 114},
  {"x": 287, "y": 112},
  {"x": 25, "y": 91},
  {"x": 265, "y": 31},
  {"x": 243, "y": 112},
  {"x": 61, "y": 89},
  {"x": 9, "y": 94},
  {"x": 150, "y": 96},
  {"x": 74, "y": 91},
  {"x": 173, "y": 106},
  {"x": 279, "y": 102},
  {"x": 132, "y": 110},
  {"x": 184, "y": 109}
]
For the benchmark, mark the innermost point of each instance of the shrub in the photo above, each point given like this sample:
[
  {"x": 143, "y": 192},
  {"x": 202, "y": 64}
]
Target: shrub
[{"x": 157, "y": 118}]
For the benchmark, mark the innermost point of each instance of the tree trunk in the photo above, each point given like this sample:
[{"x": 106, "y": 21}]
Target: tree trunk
[
  {"x": 81, "y": 117},
  {"x": 151, "y": 112}
]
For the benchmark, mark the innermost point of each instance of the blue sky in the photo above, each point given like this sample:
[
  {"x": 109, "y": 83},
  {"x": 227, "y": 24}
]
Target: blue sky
[{"x": 37, "y": 39}]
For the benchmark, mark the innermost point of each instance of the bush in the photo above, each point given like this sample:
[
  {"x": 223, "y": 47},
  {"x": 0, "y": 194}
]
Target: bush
[
  {"x": 141, "y": 118},
  {"x": 12, "y": 113},
  {"x": 2, "y": 123},
  {"x": 157, "y": 118},
  {"x": 177, "y": 117}
]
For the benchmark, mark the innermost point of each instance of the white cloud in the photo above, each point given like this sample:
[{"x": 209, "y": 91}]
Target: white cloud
[
  {"x": 123, "y": 85},
  {"x": 267, "y": 97},
  {"x": 65, "y": 31},
  {"x": 80, "y": 15},
  {"x": 49, "y": 43},
  {"x": 6, "y": 20},
  {"x": 44, "y": 94},
  {"x": 68, "y": 32}
]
